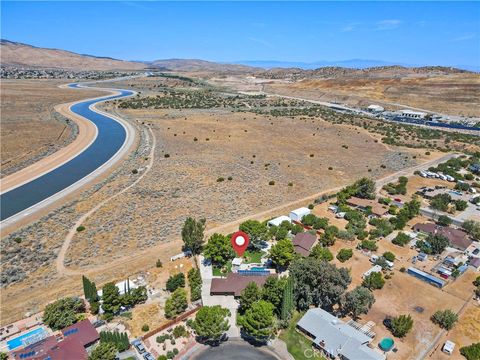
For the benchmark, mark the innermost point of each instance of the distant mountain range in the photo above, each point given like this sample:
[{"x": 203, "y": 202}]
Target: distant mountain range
[{"x": 24, "y": 55}]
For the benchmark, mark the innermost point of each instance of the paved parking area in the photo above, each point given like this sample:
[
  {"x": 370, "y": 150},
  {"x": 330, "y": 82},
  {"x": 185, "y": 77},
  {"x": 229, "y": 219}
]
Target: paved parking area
[{"x": 224, "y": 301}]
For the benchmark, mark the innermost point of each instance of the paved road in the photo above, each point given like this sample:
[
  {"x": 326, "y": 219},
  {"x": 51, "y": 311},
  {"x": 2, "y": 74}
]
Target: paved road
[
  {"x": 233, "y": 351},
  {"x": 114, "y": 137}
]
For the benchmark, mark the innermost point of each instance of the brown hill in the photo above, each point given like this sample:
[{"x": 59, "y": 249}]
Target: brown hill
[
  {"x": 23, "y": 55},
  {"x": 195, "y": 65}
]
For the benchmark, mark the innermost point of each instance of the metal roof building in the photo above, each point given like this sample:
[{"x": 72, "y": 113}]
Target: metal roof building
[{"x": 336, "y": 338}]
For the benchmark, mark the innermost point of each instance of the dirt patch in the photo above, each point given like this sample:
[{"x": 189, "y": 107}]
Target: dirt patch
[{"x": 30, "y": 126}]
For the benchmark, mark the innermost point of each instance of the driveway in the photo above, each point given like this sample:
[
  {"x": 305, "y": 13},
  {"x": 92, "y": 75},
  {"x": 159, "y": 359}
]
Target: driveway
[
  {"x": 228, "y": 302},
  {"x": 234, "y": 351}
]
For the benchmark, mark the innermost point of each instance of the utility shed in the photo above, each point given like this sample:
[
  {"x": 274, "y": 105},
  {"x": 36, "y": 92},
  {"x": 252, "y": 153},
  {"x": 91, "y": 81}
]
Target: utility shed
[
  {"x": 298, "y": 214},
  {"x": 279, "y": 220}
]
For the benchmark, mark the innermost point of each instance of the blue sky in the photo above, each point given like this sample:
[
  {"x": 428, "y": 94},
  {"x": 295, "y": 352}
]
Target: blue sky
[{"x": 437, "y": 33}]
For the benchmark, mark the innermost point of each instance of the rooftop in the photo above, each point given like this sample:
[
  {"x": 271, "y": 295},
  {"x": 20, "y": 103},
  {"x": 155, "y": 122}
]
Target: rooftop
[
  {"x": 336, "y": 337},
  {"x": 84, "y": 332},
  {"x": 457, "y": 238},
  {"x": 303, "y": 242},
  {"x": 377, "y": 209},
  {"x": 234, "y": 283}
]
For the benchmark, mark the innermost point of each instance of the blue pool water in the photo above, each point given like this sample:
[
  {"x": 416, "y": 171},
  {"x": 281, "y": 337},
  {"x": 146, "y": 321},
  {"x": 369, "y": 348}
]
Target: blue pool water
[
  {"x": 18, "y": 341},
  {"x": 256, "y": 268},
  {"x": 386, "y": 344}
]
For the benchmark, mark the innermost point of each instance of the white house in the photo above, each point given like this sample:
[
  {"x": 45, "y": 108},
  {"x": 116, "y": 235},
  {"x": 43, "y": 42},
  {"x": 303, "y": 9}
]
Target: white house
[
  {"x": 122, "y": 286},
  {"x": 375, "y": 108},
  {"x": 277, "y": 221},
  {"x": 412, "y": 114},
  {"x": 298, "y": 214},
  {"x": 376, "y": 268}
]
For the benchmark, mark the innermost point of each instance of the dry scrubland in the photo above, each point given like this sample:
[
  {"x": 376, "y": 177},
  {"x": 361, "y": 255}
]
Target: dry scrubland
[
  {"x": 30, "y": 126},
  {"x": 251, "y": 149},
  {"x": 453, "y": 94},
  {"x": 128, "y": 234}
]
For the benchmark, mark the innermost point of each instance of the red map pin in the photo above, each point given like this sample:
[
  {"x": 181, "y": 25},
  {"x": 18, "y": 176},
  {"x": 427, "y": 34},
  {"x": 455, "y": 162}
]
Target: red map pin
[{"x": 240, "y": 242}]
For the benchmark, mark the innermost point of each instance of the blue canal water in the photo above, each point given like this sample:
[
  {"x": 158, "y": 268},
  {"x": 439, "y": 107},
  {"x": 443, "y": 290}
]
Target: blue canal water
[{"x": 110, "y": 138}]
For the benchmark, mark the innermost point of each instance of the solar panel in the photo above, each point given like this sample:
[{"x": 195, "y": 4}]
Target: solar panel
[{"x": 70, "y": 331}]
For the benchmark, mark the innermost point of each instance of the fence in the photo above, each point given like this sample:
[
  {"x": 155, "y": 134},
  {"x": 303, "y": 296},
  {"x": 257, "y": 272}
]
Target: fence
[{"x": 171, "y": 322}]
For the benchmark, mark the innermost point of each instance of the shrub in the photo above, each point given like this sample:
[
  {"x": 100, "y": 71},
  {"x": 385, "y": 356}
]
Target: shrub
[
  {"x": 271, "y": 182},
  {"x": 179, "y": 331},
  {"x": 389, "y": 256},
  {"x": 444, "y": 220},
  {"x": 445, "y": 319},
  {"x": 471, "y": 352},
  {"x": 145, "y": 327},
  {"x": 401, "y": 325},
  {"x": 134, "y": 171},
  {"x": 290, "y": 184},
  {"x": 230, "y": 178},
  {"x": 374, "y": 281},
  {"x": 80, "y": 228},
  {"x": 166, "y": 155},
  {"x": 311, "y": 206},
  {"x": 220, "y": 179},
  {"x": 175, "y": 281},
  {"x": 402, "y": 269},
  {"x": 158, "y": 264},
  {"x": 369, "y": 245},
  {"x": 18, "y": 240},
  {"x": 344, "y": 254},
  {"x": 401, "y": 239}
]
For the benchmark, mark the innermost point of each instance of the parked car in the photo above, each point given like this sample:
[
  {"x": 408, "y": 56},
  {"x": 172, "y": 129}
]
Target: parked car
[
  {"x": 387, "y": 322},
  {"x": 148, "y": 356},
  {"x": 98, "y": 323},
  {"x": 139, "y": 346}
]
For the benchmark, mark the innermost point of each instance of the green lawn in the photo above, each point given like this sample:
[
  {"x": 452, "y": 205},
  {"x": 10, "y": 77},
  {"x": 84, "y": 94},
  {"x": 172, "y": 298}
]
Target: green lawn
[
  {"x": 226, "y": 270},
  {"x": 252, "y": 257},
  {"x": 296, "y": 342}
]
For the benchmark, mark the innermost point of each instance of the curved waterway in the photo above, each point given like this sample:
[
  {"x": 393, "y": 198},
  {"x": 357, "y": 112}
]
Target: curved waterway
[{"x": 110, "y": 138}]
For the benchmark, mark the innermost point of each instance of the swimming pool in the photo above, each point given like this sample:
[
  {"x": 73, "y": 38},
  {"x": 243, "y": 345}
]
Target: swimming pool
[
  {"x": 31, "y": 335},
  {"x": 386, "y": 344}
]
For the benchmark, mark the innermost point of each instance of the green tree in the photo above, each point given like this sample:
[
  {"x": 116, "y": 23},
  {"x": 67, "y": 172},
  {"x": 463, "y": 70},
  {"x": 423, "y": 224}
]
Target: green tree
[
  {"x": 195, "y": 282},
  {"x": 437, "y": 242},
  {"x": 401, "y": 239},
  {"x": 389, "y": 256},
  {"x": 321, "y": 253},
  {"x": 369, "y": 245},
  {"x": 282, "y": 253},
  {"x": 287, "y": 301},
  {"x": 258, "y": 321},
  {"x": 374, "y": 281},
  {"x": 471, "y": 352},
  {"x": 63, "y": 312},
  {"x": 440, "y": 202},
  {"x": 365, "y": 188},
  {"x": 89, "y": 290},
  {"x": 192, "y": 235},
  {"x": 358, "y": 301},
  {"x": 104, "y": 351},
  {"x": 444, "y": 220},
  {"x": 272, "y": 291},
  {"x": 256, "y": 231},
  {"x": 3, "y": 356},
  {"x": 175, "y": 281},
  {"x": 111, "y": 299},
  {"x": 344, "y": 254},
  {"x": 445, "y": 319},
  {"x": 218, "y": 250},
  {"x": 472, "y": 228},
  {"x": 401, "y": 325},
  {"x": 211, "y": 323},
  {"x": 176, "y": 303},
  {"x": 318, "y": 283},
  {"x": 249, "y": 295}
]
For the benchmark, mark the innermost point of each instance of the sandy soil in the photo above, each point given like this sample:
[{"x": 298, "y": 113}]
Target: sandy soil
[{"x": 28, "y": 126}]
